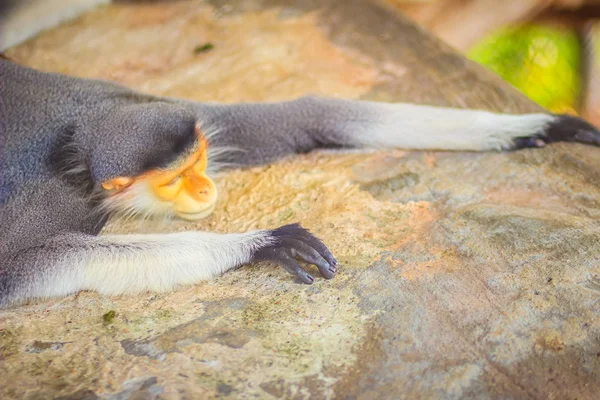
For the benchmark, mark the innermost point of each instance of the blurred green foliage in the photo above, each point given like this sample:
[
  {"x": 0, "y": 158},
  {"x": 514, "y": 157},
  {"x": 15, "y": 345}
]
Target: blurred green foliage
[{"x": 541, "y": 61}]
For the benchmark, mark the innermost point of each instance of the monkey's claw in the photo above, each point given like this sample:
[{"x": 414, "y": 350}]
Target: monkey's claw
[
  {"x": 564, "y": 128},
  {"x": 293, "y": 241}
]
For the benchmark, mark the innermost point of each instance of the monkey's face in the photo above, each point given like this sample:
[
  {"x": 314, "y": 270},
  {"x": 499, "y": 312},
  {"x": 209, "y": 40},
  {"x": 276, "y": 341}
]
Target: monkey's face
[{"x": 184, "y": 189}]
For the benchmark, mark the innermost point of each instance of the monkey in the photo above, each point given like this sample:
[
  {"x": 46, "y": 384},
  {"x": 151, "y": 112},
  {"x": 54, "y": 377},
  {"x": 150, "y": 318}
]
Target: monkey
[{"x": 76, "y": 151}]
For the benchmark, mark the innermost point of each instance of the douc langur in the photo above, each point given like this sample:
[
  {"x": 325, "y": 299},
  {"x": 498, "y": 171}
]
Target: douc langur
[{"x": 75, "y": 151}]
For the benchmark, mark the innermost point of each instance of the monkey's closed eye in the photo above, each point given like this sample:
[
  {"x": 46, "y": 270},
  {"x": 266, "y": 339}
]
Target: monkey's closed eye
[{"x": 173, "y": 181}]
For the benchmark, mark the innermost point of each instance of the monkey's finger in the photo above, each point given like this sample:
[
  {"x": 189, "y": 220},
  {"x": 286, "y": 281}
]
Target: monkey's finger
[
  {"x": 296, "y": 231},
  {"x": 569, "y": 128},
  {"x": 298, "y": 248},
  {"x": 564, "y": 128},
  {"x": 320, "y": 247},
  {"x": 281, "y": 257},
  {"x": 588, "y": 136},
  {"x": 292, "y": 266}
]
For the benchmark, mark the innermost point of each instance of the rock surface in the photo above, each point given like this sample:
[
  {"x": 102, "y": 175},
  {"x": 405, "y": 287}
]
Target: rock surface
[{"x": 462, "y": 275}]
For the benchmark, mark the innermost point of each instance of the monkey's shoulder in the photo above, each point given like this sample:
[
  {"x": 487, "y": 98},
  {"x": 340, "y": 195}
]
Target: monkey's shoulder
[{"x": 34, "y": 211}]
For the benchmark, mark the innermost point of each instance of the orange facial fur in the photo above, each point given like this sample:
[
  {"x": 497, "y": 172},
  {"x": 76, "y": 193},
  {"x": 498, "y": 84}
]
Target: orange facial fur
[{"x": 186, "y": 188}]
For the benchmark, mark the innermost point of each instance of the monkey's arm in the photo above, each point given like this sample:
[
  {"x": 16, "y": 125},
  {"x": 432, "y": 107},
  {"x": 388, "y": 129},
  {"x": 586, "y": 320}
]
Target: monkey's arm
[
  {"x": 267, "y": 131},
  {"x": 116, "y": 264}
]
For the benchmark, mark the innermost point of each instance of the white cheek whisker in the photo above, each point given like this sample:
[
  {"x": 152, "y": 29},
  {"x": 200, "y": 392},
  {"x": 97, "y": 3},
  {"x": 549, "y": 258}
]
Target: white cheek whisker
[
  {"x": 134, "y": 201},
  {"x": 220, "y": 157}
]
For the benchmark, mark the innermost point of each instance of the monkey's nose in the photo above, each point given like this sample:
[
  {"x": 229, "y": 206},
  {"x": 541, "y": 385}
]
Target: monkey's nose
[
  {"x": 195, "y": 203},
  {"x": 201, "y": 188}
]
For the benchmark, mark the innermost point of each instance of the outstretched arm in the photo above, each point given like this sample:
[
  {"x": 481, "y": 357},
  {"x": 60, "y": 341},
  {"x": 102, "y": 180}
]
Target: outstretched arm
[
  {"x": 117, "y": 264},
  {"x": 265, "y": 132}
]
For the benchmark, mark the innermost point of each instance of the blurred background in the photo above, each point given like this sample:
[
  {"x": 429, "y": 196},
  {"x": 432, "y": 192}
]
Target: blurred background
[{"x": 548, "y": 49}]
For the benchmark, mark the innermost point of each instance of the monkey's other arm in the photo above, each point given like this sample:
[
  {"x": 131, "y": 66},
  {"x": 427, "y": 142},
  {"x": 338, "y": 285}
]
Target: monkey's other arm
[
  {"x": 267, "y": 131},
  {"x": 73, "y": 151}
]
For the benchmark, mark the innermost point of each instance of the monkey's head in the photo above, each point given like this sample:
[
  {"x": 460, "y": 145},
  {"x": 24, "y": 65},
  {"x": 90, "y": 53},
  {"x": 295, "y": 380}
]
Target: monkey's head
[
  {"x": 184, "y": 189},
  {"x": 162, "y": 169}
]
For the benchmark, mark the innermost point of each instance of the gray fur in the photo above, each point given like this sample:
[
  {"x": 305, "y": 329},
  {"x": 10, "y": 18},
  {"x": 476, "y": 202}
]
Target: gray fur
[{"x": 62, "y": 136}]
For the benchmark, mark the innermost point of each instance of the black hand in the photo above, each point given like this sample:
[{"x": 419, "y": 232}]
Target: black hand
[
  {"x": 565, "y": 128},
  {"x": 293, "y": 241}
]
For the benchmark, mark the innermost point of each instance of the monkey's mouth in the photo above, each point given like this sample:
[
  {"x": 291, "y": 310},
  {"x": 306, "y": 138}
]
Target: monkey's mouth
[{"x": 195, "y": 216}]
